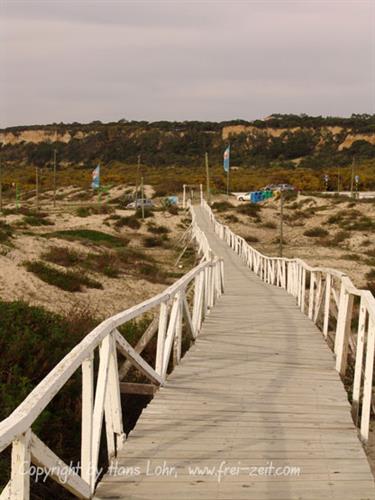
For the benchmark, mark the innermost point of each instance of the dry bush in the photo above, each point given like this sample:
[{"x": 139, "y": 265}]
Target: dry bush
[{"x": 315, "y": 232}]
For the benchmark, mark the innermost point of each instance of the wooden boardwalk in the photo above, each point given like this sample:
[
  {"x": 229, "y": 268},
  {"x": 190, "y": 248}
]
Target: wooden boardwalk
[{"x": 256, "y": 397}]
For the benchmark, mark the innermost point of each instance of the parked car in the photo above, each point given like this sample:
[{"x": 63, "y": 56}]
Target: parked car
[
  {"x": 278, "y": 187},
  {"x": 138, "y": 203},
  {"x": 244, "y": 196}
]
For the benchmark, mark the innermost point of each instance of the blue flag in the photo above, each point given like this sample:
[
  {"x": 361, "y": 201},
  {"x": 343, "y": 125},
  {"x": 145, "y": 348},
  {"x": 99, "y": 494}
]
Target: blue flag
[
  {"x": 226, "y": 159},
  {"x": 96, "y": 178}
]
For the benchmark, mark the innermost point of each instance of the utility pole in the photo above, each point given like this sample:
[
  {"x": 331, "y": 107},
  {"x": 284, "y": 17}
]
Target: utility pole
[
  {"x": 1, "y": 189},
  {"x": 281, "y": 223},
  {"x": 338, "y": 180},
  {"x": 137, "y": 179},
  {"x": 54, "y": 178},
  {"x": 352, "y": 177},
  {"x": 37, "y": 187},
  {"x": 208, "y": 179},
  {"x": 142, "y": 199}
]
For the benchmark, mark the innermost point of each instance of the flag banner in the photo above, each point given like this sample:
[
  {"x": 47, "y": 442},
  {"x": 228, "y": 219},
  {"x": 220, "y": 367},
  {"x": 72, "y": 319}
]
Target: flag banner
[
  {"x": 96, "y": 178},
  {"x": 226, "y": 159}
]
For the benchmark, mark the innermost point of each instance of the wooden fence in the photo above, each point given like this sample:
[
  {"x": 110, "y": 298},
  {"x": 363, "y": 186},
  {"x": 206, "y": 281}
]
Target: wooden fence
[
  {"x": 181, "y": 308},
  {"x": 344, "y": 313}
]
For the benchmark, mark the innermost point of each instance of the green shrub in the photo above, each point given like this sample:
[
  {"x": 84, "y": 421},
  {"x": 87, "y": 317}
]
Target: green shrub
[
  {"x": 132, "y": 256},
  {"x": 152, "y": 273},
  {"x": 364, "y": 223},
  {"x": 83, "y": 212},
  {"x": 371, "y": 252},
  {"x": 221, "y": 206},
  {"x": 154, "y": 241},
  {"x": 249, "y": 209},
  {"x": 277, "y": 240},
  {"x": 269, "y": 225},
  {"x": 129, "y": 221},
  {"x": 90, "y": 235},
  {"x": 63, "y": 256},
  {"x": 155, "y": 229},
  {"x": 6, "y": 232},
  {"x": 148, "y": 212},
  {"x": 231, "y": 218},
  {"x": 351, "y": 256},
  {"x": 106, "y": 263},
  {"x": 251, "y": 239},
  {"x": 173, "y": 209},
  {"x": 92, "y": 210},
  {"x": 340, "y": 236},
  {"x": 315, "y": 232},
  {"x": 290, "y": 195},
  {"x": 35, "y": 220},
  {"x": 69, "y": 281},
  {"x": 371, "y": 275}
]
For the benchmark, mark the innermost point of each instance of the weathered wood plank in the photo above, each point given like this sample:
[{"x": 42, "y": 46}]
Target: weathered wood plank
[{"x": 258, "y": 385}]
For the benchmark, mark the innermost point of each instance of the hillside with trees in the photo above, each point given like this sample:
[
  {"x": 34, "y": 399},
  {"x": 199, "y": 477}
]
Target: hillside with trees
[{"x": 285, "y": 141}]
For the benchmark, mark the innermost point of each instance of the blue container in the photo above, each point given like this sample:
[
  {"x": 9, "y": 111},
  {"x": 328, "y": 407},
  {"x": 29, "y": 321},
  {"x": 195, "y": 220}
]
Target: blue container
[{"x": 172, "y": 200}]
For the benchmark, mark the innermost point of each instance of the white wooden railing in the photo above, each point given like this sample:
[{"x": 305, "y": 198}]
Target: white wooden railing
[
  {"x": 183, "y": 305},
  {"x": 344, "y": 313}
]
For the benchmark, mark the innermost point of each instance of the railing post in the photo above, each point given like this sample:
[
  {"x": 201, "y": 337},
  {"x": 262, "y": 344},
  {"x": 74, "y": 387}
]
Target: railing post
[
  {"x": 299, "y": 283},
  {"x": 303, "y": 290},
  {"x": 101, "y": 386},
  {"x": 367, "y": 384},
  {"x": 20, "y": 478},
  {"x": 178, "y": 334},
  {"x": 327, "y": 304},
  {"x": 162, "y": 329},
  {"x": 318, "y": 297},
  {"x": 87, "y": 414},
  {"x": 359, "y": 360},
  {"x": 343, "y": 328},
  {"x": 311, "y": 294}
]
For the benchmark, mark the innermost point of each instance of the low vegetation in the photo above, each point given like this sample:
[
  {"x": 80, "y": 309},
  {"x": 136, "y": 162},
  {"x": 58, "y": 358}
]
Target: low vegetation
[
  {"x": 155, "y": 241},
  {"x": 130, "y": 221},
  {"x": 32, "y": 342},
  {"x": 37, "y": 220},
  {"x": 86, "y": 211},
  {"x": 6, "y": 232},
  {"x": 157, "y": 229},
  {"x": 69, "y": 281},
  {"x": 90, "y": 235},
  {"x": 316, "y": 232},
  {"x": 222, "y": 206}
]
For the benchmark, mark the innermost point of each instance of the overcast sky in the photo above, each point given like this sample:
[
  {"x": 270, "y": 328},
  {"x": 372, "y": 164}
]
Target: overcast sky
[{"x": 84, "y": 60}]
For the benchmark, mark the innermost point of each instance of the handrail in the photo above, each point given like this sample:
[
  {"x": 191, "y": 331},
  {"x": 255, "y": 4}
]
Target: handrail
[
  {"x": 103, "y": 398},
  {"x": 330, "y": 299}
]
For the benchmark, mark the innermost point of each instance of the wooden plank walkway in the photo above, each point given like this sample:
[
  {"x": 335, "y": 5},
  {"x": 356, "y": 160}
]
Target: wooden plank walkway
[{"x": 257, "y": 392}]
